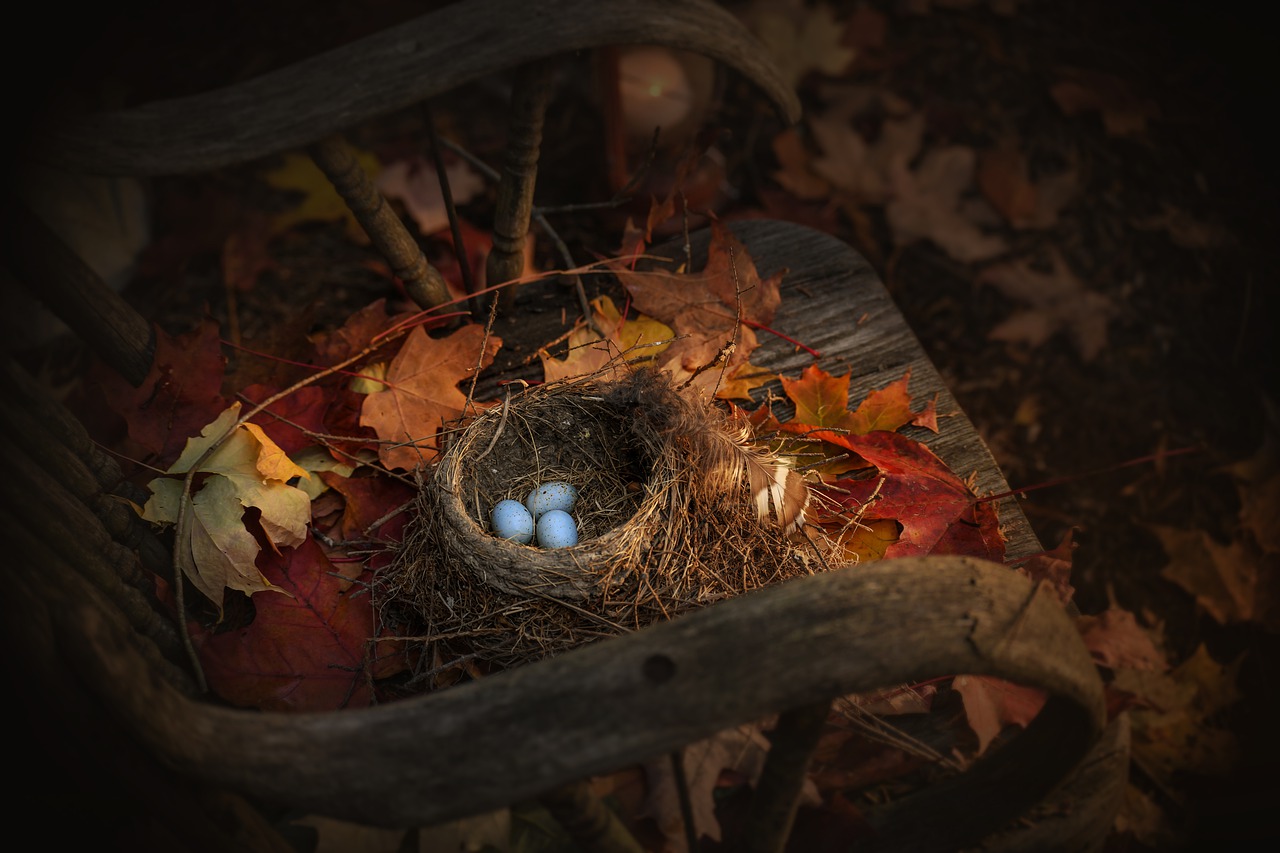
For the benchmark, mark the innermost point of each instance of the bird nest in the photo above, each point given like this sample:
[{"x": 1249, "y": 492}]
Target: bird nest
[{"x": 667, "y": 517}]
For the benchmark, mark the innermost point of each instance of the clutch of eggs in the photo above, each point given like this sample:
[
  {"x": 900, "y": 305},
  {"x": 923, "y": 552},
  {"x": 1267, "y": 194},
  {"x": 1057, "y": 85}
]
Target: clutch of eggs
[{"x": 544, "y": 514}]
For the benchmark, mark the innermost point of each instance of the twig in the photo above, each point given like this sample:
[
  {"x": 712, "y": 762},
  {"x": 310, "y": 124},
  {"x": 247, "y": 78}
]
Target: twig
[
  {"x": 446, "y": 193},
  {"x": 484, "y": 344},
  {"x": 502, "y": 423}
]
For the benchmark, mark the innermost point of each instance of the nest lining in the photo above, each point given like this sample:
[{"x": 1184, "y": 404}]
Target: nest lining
[{"x": 666, "y": 523}]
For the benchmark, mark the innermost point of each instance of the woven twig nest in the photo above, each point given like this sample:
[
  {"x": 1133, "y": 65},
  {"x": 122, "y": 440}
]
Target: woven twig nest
[{"x": 665, "y": 510}]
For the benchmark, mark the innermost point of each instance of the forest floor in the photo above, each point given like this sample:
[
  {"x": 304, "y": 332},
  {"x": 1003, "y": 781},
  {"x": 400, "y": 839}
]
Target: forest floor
[{"x": 1096, "y": 289}]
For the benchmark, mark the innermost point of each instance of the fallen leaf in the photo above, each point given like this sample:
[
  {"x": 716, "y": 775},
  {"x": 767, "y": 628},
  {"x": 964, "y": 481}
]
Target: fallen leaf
[
  {"x": 822, "y": 400},
  {"x": 1257, "y": 480},
  {"x": 1175, "y": 732},
  {"x": 918, "y": 490},
  {"x": 741, "y": 750},
  {"x": 247, "y": 470},
  {"x": 865, "y": 172},
  {"x": 424, "y": 394},
  {"x": 1123, "y": 112},
  {"x": 304, "y": 651},
  {"x": 1115, "y": 640},
  {"x": 367, "y": 500},
  {"x": 320, "y": 201},
  {"x": 799, "y": 38},
  {"x": 1235, "y": 582},
  {"x": 1183, "y": 229},
  {"x": 926, "y": 205},
  {"x": 356, "y": 333},
  {"x": 628, "y": 340},
  {"x": 293, "y": 421},
  {"x": 991, "y": 705},
  {"x": 1005, "y": 180},
  {"x": 180, "y": 394},
  {"x": 1053, "y": 567},
  {"x": 705, "y": 309},
  {"x": 246, "y": 255},
  {"x": 416, "y": 184},
  {"x": 1057, "y": 301},
  {"x": 1140, "y": 817},
  {"x": 795, "y": 175},
  {"x": 318, "y": 460}
]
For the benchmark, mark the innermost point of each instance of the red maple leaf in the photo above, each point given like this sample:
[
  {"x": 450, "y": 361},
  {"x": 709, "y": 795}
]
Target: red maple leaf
[
  {"x": 306, "y": 651},
  {"x": 370, "y": 499},
  {"x": 287, "y": 421},
  {"x": 936, "y": 509},
  {"x": 180, "y": 395}
]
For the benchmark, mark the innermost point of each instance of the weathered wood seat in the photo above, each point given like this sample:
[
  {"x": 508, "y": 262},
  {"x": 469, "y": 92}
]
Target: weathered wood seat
[{"x": 92, "y": 655}]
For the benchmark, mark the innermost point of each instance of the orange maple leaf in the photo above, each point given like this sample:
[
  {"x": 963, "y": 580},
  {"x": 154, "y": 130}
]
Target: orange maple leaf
[
  {"x": 423, "y": 393},
  {"x": 822, "y": 400}
]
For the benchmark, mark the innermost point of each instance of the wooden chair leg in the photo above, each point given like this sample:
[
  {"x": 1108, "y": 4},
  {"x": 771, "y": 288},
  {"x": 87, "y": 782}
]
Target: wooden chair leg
[
  {"x": 514, "y": 206},
  {"x": 77, "y": 295},
  {"x": 422, "y": 281},
  {"x": 777, "y": 795}
]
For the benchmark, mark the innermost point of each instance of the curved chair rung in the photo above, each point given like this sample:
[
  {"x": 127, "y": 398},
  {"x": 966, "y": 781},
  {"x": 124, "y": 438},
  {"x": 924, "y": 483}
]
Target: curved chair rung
[
  {"x": 390, "y": 70},
  {"x": 514, "y": 735}
]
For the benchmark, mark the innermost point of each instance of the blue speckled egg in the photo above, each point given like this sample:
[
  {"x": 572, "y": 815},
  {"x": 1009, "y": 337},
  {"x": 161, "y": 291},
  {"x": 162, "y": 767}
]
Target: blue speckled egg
[
  {"x": 512, "y": 521},
  {"x": 557, "y": 529},
  {"x": 549, "y": 496}
]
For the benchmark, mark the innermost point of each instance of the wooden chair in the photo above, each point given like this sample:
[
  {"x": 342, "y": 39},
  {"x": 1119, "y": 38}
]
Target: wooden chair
[{"x": 94, "y": 657}]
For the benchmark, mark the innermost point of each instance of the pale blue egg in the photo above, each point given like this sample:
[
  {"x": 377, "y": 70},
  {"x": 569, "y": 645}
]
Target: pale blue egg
[
  {"x": 549, "y": 496},
  {"x": 557, "y": 529},
  {"x": 512, "y": 521}
]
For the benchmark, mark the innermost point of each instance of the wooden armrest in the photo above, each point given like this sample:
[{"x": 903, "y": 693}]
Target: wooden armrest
[
  {"x": 388, "y": 71},
  {"x": 514, "y": 735}
]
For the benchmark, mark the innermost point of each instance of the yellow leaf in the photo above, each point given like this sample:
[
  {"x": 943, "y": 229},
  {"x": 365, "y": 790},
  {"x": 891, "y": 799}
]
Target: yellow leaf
[
  {"x": 196, "y": 447},
  {"x": 370, "y": 380},
  {"x": 162, "y": 506},
  {"x": 320, "y": 201},
  {"x": 247, "y": 470},
  {"x": 316, "y": 459},
  {"x": 740, "y": 382},
  {"x": 643, "y": 334},
  {"x": 637, "y": 338},
  {"x": 273, "y": 463},
  {"x": 222, "y": 548}
]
